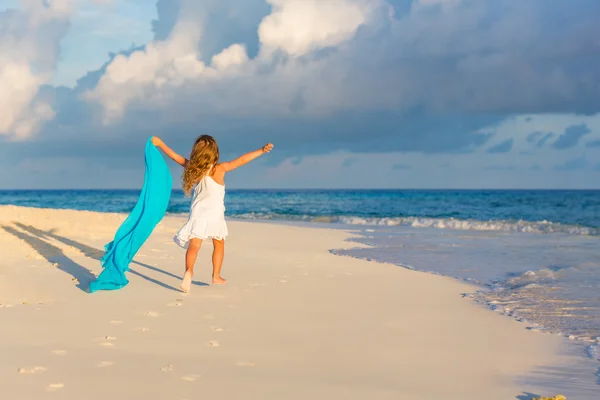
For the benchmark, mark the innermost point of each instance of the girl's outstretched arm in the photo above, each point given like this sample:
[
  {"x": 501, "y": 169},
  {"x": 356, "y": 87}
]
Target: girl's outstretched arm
[
  {"x": 156, "y": 141},
  {"x": 246, "y": 158}
]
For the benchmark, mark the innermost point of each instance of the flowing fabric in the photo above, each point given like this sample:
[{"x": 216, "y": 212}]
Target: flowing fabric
[{"x": 135, "y": 230}]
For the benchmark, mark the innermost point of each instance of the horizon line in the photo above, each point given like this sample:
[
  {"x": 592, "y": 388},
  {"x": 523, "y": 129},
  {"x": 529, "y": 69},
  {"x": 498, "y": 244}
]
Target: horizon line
[{"x": 307, "y": 189}]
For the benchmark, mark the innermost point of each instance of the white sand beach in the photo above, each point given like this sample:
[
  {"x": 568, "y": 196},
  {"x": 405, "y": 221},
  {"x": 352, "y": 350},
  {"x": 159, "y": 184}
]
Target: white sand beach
[{"x": 294, "y": 322}]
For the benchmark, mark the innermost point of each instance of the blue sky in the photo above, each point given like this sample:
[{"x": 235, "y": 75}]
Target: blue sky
[
  {"x": 98, "y": 29},
  {"x": 354, "y": 93}
]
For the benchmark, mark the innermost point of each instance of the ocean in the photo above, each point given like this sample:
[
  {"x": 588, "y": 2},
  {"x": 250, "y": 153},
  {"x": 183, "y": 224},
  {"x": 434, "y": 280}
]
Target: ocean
[{"x": 533, "y": 254}]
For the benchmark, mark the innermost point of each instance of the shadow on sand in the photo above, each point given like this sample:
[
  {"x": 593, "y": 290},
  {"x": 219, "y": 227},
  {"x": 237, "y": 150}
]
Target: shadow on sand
[
  {"x": 55, "y": 255},
  {"x": 527, "y": 396},
  {"x": 35, "y": 238},
  {"x": 574, "y": 380}
]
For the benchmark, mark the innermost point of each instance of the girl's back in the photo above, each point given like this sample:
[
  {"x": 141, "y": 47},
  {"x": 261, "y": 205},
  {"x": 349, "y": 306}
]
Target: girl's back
[{"x": 208, "y": 198}]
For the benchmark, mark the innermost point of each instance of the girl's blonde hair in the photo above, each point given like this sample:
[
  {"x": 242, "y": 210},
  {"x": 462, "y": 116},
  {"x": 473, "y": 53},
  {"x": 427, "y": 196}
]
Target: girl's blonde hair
[{"x": 204, "y": 157}]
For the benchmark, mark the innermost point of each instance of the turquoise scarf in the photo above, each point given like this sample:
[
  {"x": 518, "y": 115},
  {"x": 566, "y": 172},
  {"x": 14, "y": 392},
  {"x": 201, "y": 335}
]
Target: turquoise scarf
[{"x": 147, "y": 213}]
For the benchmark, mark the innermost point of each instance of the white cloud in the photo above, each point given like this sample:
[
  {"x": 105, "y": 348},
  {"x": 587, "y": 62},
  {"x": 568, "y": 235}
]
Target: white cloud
[
  {"x": 301, "y": 26},
  {"x": 154, "y": 75},
  {"x": 145, "y": 72},
  {"x": 441, "y": 56},
  {"x": 234, "y": 55},
  {"x": 18, "y": 87},
  {"x": 29, "y": 48}
]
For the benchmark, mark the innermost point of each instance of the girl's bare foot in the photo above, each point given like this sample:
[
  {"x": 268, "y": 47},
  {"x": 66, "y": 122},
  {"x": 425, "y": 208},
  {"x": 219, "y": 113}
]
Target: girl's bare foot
[
  {"x": 187, "y": 282},
  {"x": 218, "y": 280}
]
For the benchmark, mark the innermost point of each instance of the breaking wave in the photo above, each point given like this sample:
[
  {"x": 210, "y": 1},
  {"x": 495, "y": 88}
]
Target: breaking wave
[{"x": 439, "y": 223}]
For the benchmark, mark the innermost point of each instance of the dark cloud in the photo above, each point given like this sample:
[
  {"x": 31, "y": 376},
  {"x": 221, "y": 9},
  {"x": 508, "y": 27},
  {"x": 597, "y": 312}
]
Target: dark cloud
[
  {"x": 593, "y": 143},
  {"x": 545, "y": 139},
  {"x": 401, "y": 166},
  {"x": 573, "y": 165},
  {"x": 534, "y": 137},
  {"x": 348, "y": 162},
  {"x": 500, "y": 168},
  {"x": 496, "y": 55},
  {"x": 571, "y": 137},
  {"x": 296, "y": 160},
  {"x": 503, "y": 147},
  {"x": 356, "y": 132},
  {"x": 539, "y": 139}
]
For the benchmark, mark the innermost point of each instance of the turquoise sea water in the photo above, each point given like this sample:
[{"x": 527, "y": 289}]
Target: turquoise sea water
[{"x": 576, "y": 212}]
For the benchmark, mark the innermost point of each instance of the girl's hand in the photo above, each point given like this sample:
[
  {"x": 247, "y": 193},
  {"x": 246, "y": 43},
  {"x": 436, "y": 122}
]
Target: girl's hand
[
  {"x": 156, "y": 140},
  {"x": 267, "y": 148}
]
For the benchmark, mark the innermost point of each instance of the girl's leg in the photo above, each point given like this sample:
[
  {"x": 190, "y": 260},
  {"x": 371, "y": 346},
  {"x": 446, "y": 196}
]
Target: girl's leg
[
  {"x": 190, "y": 261},
  {"x": 217, "y": 259}
]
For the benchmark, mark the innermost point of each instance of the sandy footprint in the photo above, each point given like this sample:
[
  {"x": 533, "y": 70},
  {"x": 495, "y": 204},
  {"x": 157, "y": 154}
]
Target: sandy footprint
[
  {"x": 213, "y": 343},
  {"x": 245, "y": 364},
  {"x": 167, "y": 368},
  {"x": 107, "y": 344},
  {"x": 142, "y": 329},
  {"x": 151, "y": 314},
  {"x": 216, "y": 329},
  {"x": 190, "y": 377},
  {"x": 53, "y": 387},
  {"x": 59, "y": 352},
  {"x": 104, "y": 364},
  {"x": 282, "y": 280},
  {"x": 214, "y": 296},
  {"x": 175, "y": 304},
  {"x": 111, "y": 338},
  {"x": 32, "y": 370}
]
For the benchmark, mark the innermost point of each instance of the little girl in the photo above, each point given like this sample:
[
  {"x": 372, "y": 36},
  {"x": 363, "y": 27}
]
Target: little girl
[{"x": 205, "y": 177}]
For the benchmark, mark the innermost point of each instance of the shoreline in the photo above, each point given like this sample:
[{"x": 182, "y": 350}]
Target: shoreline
[
  {"x": 518, "y": 225},
  {"x": 301, "y": 296}
]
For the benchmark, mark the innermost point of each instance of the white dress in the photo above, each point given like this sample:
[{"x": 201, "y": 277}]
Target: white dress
[{"x": 207, "y": 213}]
